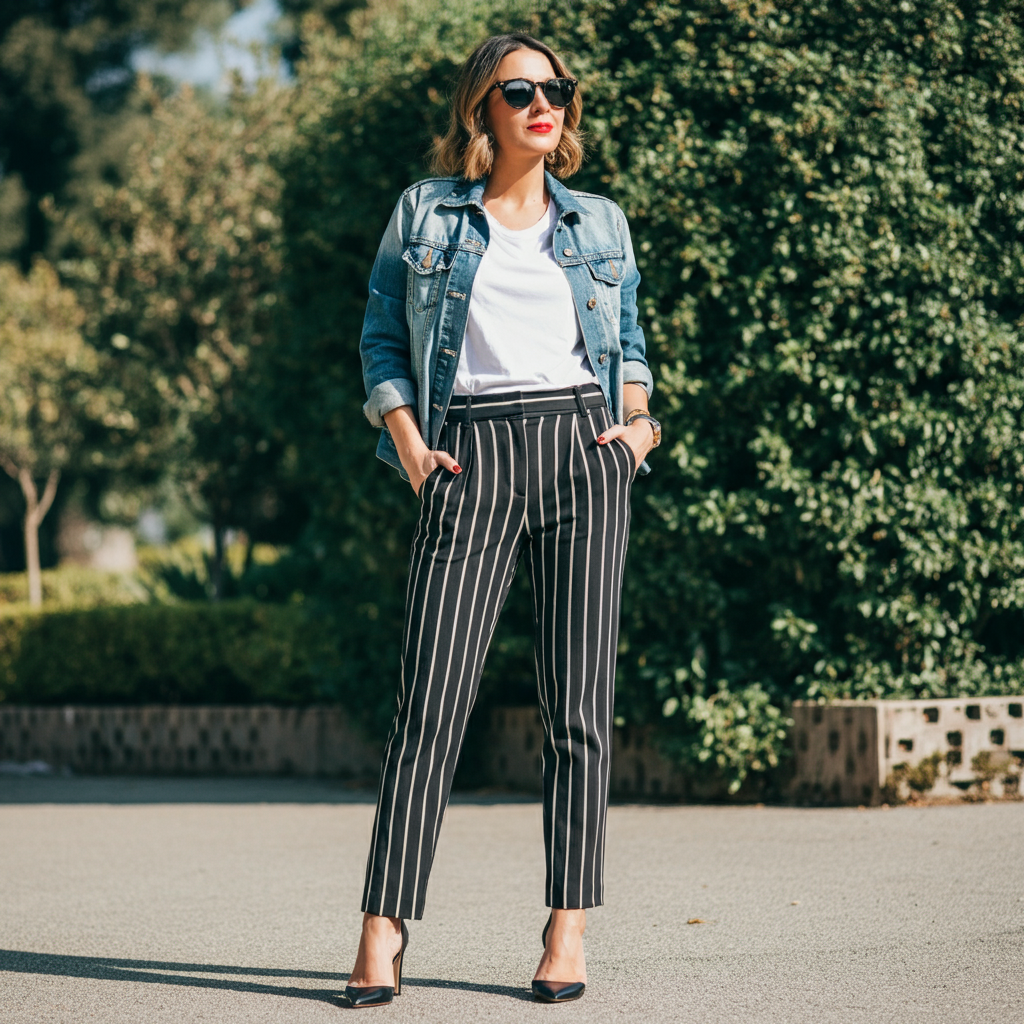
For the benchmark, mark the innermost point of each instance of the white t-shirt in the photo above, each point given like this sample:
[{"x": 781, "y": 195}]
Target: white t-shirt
[{"x": 523, "y": 333}]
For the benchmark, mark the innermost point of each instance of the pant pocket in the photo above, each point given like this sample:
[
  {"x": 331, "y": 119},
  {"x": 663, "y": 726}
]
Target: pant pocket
[
  {"x": 629, "y": 455},
  {"x": 426, "y": 481}
]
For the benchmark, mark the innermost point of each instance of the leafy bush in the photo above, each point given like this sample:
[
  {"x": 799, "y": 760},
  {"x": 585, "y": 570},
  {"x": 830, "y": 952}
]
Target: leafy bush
[
  {"x": 826, "y": 204},
  {"x": 73, "y": 586},
  {"x": 232, "y": 652},
  {"x": 915, "y": 779},
  {"x": 727, "y": 736}
]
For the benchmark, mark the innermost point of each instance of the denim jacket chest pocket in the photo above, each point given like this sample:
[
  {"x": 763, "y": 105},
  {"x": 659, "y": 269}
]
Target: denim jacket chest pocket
[
  {"x": 429, "y": 263},
  {"x": 607, "y": 270},
  {"x": 606, "y": 266}
]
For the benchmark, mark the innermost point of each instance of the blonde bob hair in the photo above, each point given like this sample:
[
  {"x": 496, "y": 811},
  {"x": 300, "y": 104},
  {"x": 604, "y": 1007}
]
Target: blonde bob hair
[{"x": 467, "y": 149}]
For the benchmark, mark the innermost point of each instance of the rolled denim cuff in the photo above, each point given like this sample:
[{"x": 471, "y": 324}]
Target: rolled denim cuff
[
  {"x": 387, "y": 396},
  {"x": 635, "y": 372}
]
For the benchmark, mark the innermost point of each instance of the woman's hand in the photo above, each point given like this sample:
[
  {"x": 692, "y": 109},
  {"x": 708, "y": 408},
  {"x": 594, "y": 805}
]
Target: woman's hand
[
  {"x": 416, "y": 458},
  {"x": 639, "y": 435},
  {"x": 421, "y": 465}
]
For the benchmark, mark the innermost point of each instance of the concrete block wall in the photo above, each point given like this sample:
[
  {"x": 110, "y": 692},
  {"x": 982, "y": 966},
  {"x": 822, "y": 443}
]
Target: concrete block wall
[
  {"x": 845, "y": 751},
  {"x": 177, "y": 740},
  {"x": 637, "y": 768},
  {"x": 159, "y": 740}
]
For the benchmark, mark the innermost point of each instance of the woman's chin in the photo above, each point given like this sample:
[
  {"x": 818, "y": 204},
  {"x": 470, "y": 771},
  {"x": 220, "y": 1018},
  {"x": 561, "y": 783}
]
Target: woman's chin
[{"x": 536, "y": 146}]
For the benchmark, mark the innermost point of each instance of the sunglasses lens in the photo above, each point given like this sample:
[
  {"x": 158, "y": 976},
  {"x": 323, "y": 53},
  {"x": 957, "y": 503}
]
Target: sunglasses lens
[
  {"x": 518, "y": 93},
  {"x": 559, "y": 91}
]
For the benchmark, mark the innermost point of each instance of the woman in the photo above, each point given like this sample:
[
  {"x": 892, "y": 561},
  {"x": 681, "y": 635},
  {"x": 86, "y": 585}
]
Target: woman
[{"x": 499, "y": 349}]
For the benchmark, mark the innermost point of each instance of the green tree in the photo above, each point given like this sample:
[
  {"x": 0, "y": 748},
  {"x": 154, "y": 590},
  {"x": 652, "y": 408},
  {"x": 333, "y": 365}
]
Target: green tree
[
  {"x": 66, "y": 105},
  {"x": 180, "y": 266},
  {"x": 49, "y": 394}
]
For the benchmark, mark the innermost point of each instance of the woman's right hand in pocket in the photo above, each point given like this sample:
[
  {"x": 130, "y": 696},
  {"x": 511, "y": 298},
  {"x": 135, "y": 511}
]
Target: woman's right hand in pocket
[
  {"x": 422, "y": 466},
  {"x": 418, "y": 460}
]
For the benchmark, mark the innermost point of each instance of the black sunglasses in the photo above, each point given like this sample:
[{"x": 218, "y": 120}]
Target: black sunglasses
[{"x": 519, "y": 92}]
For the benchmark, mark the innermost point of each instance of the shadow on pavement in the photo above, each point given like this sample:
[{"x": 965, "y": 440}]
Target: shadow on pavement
[
  {"x": 92, "y": 789},
  {"x": 155, "y": 972}
]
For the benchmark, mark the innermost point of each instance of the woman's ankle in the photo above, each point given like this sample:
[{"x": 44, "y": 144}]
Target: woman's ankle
[
  {"x": 569, "y": 920},
  {"x": 377, "y": 923}
]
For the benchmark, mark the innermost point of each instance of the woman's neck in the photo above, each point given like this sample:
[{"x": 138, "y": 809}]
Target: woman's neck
[{"x": 516, "y": 193}]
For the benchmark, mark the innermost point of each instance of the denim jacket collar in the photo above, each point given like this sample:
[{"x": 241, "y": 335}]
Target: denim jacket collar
[{"x": 471, "y": 193}]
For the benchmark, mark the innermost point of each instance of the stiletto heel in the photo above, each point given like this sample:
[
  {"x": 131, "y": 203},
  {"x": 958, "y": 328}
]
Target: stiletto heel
[
  {"x": 397, "y": 962},
  {"x": 359, "y": 997},
  {"x": 556, "y": 991}
]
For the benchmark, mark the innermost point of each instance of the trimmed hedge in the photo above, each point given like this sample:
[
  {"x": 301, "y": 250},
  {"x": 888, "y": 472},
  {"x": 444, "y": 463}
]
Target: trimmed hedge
[
  {"x": 236, "y": 652},
  {"x": 74, "y": 586}
]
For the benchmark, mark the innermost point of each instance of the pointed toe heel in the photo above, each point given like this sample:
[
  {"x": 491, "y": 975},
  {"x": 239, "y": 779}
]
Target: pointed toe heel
[
  {"x": 556, "y": 991},
  {"x": 359, "y": 997}
]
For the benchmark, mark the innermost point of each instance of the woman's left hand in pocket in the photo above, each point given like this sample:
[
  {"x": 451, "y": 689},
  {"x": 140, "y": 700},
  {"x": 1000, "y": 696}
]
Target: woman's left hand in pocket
[{"x": 639, "y": 435}]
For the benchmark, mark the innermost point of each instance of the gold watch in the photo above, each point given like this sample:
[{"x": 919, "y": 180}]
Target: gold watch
[{"x": 640, "y": 414}]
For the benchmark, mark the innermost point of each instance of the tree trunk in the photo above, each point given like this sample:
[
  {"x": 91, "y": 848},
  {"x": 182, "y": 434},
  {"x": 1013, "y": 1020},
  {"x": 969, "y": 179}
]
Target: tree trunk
[
  {"x": 35, "y": 511},
  {"x": 217, "y": 565},
  {"x": 249, "y": 545}
]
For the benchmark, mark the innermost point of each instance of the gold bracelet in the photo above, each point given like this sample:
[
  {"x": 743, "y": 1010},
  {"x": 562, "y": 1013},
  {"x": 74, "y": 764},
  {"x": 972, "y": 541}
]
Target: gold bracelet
[{"x": 633, "y": 412}]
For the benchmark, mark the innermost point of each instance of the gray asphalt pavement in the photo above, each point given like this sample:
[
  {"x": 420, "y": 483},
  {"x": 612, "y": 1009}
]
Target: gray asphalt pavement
[{"x": 222, "y": 901}]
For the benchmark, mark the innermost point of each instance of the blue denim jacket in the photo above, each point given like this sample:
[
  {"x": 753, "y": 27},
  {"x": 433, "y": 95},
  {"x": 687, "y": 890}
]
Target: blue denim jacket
[{"x": 423, "y": 277}]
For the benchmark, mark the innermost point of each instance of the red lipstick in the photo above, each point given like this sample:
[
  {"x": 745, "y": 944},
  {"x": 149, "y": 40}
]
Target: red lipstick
[{"x": 540, "y": 127}]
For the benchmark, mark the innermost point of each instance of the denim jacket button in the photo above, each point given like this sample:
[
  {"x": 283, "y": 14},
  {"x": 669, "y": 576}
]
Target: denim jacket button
[
  {"x": 591, "y": 303},
  {"x": 604, "y": 355},
  {"x": 567, "y": 252}
]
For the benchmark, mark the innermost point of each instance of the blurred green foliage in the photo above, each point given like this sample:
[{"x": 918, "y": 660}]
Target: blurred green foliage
[
  {"x": 179, "y": 267},
  {"x": 56, "y": 408},
  {"x": 72, "y": 586},
  {"x": 826, "y": 206},
  {"x": 233, "y": 652},
  {"x": 67, "y": 108}
]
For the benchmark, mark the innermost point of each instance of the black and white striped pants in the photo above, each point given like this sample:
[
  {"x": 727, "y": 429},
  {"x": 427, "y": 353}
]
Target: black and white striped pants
[{"x": 535, "y": 482}]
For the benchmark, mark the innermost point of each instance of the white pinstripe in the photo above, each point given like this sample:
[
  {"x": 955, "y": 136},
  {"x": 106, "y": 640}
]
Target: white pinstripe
[
  {"x": 583, "y": 668},
  {"x": 601, "y": 761}
]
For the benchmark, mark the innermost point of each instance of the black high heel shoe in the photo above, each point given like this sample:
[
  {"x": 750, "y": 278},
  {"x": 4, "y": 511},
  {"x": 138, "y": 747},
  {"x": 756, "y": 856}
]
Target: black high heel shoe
[
  {"x": 556, "y": 991},
  {"x": 357, "y": 998}
]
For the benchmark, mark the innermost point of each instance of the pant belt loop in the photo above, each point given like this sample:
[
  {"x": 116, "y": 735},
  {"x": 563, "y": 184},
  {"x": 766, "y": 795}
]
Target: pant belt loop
[
  {"x": 468, "y": 411},
  {"x": 580, "y": 404}
]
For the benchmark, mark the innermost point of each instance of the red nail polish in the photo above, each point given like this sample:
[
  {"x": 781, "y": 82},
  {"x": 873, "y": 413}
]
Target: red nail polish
[
  {"x": 600, "y": 440},
  {"x": 458, "y": 469}
]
